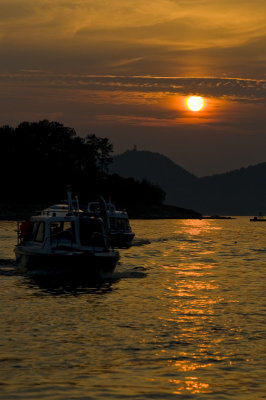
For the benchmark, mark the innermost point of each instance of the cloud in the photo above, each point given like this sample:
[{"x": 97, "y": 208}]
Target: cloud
[
  {"x": 182, "y": 25},
  {"x": 129, "y": 61},
  {"x": 144, "y": 37},
  {"x": 250, "y": 90}
]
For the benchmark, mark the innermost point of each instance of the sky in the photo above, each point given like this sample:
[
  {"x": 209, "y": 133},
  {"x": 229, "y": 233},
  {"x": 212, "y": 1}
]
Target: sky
[{"x": 123, "y": 69}]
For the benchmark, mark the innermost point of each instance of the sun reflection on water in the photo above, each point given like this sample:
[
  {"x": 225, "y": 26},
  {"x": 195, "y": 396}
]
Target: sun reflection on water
[
  {"x": 190, "y": 385},
  {"x": 197, "y": 227},
  {"x": 191, "y": 293},
  {"x": 186, "y": 365}
]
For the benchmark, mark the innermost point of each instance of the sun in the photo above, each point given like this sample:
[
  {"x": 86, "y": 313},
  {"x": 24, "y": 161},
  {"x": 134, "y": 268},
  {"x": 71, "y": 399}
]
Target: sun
[{"x": 195, "y": 103}]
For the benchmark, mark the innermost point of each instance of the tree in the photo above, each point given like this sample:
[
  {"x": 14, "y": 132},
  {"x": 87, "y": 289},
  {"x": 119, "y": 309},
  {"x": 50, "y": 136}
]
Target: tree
[
  {"x": 99, "y": 150},
  {"x": 38, "y": 160},
  {"x": 45, "y": 156}
]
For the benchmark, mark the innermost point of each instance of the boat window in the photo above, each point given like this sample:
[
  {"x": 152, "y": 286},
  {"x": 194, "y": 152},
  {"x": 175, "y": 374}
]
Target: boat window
[
  {"x": 94, "y": 208},
  {"x": 40, "y": 231},
  {"x": 91, "y": 232},
  {"x": 35, "y": 228},
  {"x": 62, "y": 229},
  {"x": 112, "y": 222},
  {"x": 55, "y": 228},
  {"x": 122, "y": 224}
]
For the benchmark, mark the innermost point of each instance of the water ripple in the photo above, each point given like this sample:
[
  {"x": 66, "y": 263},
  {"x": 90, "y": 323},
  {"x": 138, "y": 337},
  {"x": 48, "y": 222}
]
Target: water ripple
[{"x": 182, "y": 317}]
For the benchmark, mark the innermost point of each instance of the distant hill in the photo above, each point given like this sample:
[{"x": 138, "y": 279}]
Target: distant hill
[
  {"x": 156, "y": 168},
  {"x": 149, "y": 165},
  {"x": 239, "y": 192}
]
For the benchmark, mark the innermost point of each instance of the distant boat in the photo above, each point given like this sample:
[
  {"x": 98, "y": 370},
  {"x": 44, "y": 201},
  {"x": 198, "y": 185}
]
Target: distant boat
[
  {"x": 118, "y": 225},
  {"x": 71, "y": 242},
  {"x": 218, "y": 217},
  {"x": 258, "y": 219}
]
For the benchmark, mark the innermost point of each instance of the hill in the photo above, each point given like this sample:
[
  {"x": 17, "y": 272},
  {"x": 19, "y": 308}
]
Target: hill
[
  {"x": 157, "y": 169},
  {"x": 238, "y": 192},
  {"x": 148, "y": 165}
]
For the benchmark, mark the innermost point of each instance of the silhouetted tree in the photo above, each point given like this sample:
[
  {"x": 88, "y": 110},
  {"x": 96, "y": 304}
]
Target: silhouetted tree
[
  {"x": 38, "y": 160},
  {"x": 42, "y": 157},
  {"x": 99, "y": 150},
  {"x": 127, "y": 191}
]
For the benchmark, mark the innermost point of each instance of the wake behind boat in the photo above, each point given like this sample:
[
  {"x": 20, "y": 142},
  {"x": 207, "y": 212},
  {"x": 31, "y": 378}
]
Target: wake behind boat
[{"x": 70, "y": 242}]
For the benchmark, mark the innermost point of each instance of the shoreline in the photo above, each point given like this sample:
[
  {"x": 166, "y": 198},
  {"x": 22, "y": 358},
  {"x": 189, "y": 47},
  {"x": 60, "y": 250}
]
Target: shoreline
[{"x": 18, "y": 211}]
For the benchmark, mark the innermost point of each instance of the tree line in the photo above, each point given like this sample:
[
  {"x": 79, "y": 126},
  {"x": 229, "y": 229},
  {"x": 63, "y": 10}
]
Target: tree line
[{"x": 39, "y": 159}]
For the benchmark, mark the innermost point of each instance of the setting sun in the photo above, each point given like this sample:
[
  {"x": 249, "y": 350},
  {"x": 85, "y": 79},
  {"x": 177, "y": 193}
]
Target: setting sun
[{"x": 195, "y": 103}]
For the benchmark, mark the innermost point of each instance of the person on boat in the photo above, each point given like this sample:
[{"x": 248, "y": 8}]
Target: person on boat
[{"x": 25, "y": 229}]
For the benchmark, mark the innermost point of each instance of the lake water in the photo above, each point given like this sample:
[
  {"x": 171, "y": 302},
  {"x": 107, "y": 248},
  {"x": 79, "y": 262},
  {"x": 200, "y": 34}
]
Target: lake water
[{"x": 182, "y": 317}]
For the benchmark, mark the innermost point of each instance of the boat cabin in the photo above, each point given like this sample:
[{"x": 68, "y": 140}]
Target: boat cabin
[
  {"x": 66, "y": 231},
  {"x": 119, "y": 222}
]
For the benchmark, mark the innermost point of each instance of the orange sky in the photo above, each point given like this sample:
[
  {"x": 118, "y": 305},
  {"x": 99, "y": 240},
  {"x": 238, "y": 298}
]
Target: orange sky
[{"x": 123, "y": 69}]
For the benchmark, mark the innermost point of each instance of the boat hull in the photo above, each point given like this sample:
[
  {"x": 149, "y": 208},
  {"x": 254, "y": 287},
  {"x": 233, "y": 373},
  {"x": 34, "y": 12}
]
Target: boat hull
[
  {"x": 82, "y": 263},
  {"x": 121, "y": 240}
]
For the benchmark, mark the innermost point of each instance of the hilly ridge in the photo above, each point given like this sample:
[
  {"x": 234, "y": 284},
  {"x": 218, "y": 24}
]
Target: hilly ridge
[
  {"x": 238, "y": 192},
  {"x": 146, "y": 164}
]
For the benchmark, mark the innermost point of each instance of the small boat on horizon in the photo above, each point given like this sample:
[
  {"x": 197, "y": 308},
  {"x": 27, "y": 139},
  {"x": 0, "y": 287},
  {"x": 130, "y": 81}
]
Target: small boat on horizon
[
  {"x": 71, "y": 242},
  {"x": 217, "y": 217},
  {"x": 259, "y": 218}
]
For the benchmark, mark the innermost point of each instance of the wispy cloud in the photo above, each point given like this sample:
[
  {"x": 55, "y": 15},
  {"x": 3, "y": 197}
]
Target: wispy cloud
[
  {"x": 165, "y": 25},
  {"x": 71, "y": 17},
  {"x": 234, "y": 88}
]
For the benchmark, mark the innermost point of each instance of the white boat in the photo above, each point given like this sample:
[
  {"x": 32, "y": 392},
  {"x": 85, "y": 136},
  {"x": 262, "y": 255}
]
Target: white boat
[
  {"x": 71, "y": 242},
  {"x": 118, "y": 225}
]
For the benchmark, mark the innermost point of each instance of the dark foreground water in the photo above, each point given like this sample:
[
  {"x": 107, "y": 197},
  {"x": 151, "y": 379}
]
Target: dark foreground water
[{"x": 182, "y": 317}]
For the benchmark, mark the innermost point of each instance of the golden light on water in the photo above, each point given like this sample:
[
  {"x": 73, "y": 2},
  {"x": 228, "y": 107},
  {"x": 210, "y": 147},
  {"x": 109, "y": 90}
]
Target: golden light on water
[
  {"x": 195, "y": 103},
  {"x": 192, "y": 294},
  {"x": 190, "y": 385}
]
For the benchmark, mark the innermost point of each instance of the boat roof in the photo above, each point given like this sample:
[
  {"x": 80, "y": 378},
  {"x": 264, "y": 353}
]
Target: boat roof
[
  {"x": 49, "y": 217},
  {"x": 58, "y": 209}
]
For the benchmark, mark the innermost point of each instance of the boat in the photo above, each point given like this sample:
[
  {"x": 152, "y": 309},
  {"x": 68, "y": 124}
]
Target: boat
[
  {"x": 217, "y": 217},
  {"x": 258, "y": 219},
  {"x": 71, "y": 242},
  {"x": 117, "y": 223}
]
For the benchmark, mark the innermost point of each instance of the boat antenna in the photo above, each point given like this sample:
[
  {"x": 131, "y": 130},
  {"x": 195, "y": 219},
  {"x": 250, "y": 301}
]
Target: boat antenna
[
  {"x": 77, "y": 204},
  {"x": 104, "y": 215},
  {"x": 69, "y": 199}
]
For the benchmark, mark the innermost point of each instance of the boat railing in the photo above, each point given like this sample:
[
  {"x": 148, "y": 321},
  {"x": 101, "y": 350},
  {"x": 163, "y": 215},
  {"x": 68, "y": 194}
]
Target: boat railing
[
  {"x": 58, "y": 236},
  {"x": 107, "y": 240}
]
